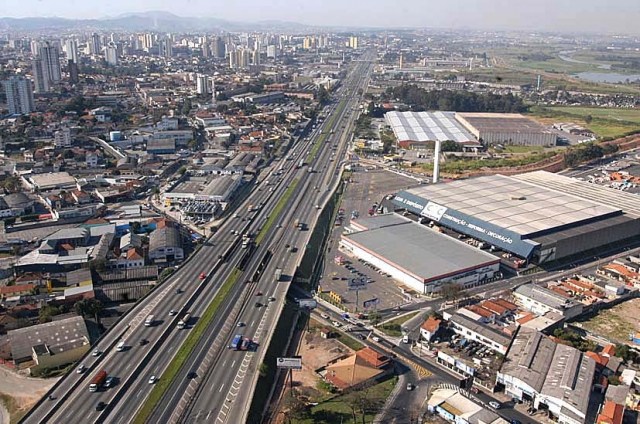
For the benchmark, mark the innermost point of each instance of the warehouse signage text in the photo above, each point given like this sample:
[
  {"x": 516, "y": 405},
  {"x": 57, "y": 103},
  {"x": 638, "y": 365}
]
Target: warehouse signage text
[{"x": 479, "y": 229}]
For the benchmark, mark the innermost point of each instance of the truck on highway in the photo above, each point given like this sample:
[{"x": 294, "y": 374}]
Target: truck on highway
[
  {"x": 236, "y": 343},
  {"x": 97, "y": 381},
  {"x": 278, "y": 274},
  {"x": 300, "y": 164},
  {"x": 149, "y": 321},
  {"x": 184, "y": 322}
]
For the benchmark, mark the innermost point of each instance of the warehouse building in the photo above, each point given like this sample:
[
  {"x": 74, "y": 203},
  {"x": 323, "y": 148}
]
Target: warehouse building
[
  {"x": 538, "y": 216},
  {"x": 506, "y": 128},
  {"x": 417, "y": 256},
  {"x": 417, "y": 130}
]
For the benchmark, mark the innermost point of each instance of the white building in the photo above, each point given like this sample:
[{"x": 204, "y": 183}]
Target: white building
[
  {"x": 19, "y": 91},
  {"x": 111, "y": 54},
  {"x": 541, "y": 300},
  {"x": 62, "y": 137},
  {"x": 203, "y": 84}
]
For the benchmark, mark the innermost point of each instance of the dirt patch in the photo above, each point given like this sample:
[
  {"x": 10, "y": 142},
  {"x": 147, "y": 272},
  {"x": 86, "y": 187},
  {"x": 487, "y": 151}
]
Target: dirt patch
[
  {"x": 19, "y": 392},
  {"x": 316, "y": 352},
  {"x": 616, "y": 323}
]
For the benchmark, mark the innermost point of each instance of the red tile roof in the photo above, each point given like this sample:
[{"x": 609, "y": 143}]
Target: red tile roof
[
  {"x": 431, "y": 324},
  {"x": 611, "y": 413}
]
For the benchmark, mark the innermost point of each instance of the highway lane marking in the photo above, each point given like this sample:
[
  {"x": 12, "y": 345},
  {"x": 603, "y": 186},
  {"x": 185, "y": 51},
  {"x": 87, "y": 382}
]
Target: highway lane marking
[
  {"x": 233, "y": 363},
  {"x": 221, "y": 386}
]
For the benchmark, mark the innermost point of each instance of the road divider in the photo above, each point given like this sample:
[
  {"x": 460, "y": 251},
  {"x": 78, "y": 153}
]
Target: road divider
[
  {"x": 275, "y": 214},
  {"x": 329, "y": 126},
  {"x": 184, "y": 352}
]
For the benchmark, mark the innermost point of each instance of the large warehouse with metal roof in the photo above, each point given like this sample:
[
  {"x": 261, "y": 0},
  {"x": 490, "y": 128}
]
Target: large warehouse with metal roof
[
  {"x": 537, "y": 216},
  {"x": 418, "y": 256}
]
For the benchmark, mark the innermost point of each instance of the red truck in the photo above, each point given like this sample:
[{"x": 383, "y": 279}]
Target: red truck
[{"x": 97, "y": 381}]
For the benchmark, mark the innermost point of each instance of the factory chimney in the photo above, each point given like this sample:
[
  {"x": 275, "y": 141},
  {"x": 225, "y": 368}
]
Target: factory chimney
[{"x": 436, "y": 162}]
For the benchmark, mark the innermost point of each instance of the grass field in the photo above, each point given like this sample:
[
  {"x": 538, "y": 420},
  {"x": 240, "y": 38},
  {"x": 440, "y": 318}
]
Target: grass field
[
  {"x": 338, "y": 409},
  {"x": 605, "y": 122},
  {"x": 394, "y": 327}
]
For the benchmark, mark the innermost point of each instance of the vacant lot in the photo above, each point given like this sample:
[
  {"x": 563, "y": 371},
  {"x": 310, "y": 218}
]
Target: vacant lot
[
  {"x": 616, "y": 323},
  {"x": 316, "y": 352},
  {"x": 604, "y": 122}
]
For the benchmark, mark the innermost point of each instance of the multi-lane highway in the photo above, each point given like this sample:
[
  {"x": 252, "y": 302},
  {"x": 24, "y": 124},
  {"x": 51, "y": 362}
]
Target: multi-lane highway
[{"x": 184, "y": 292}]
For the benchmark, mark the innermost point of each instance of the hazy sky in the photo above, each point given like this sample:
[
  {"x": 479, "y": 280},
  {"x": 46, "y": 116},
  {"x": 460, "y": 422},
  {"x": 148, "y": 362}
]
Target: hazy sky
[{"x": 564, "y": 15}]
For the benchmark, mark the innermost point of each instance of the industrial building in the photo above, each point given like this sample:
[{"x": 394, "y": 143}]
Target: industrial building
[
  {"x": 557, "y": 376},
  {"x": 419, "y": 257},
  {"x": 414, "y": 130},
  {"x": 537, "y": 216},
  {"x": 506, "y": 128}
]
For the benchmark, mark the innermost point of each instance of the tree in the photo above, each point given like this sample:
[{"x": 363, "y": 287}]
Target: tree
[
  {"x": 625, "y": 352},
  {"x": 451, "y": 292},
  {"x": 322, "y": 95},
  {"x": 186, "y": 107},
  {"x": 182, "y": 170},
  {"x": 588, "y": 119},
  {"x": 81, "y": 308},
  {"x": 296, "y": 407},
  {"x": 95, "y": 307},
  {"x": 263, "y": 369}
]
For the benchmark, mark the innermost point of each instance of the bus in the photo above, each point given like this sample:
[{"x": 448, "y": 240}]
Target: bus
[
  {"x": 97, "y": 381},
  {"x": 184, "y": 322},
  {"x": 236, "y": 343},
  {"x": 149, "y": 321}
]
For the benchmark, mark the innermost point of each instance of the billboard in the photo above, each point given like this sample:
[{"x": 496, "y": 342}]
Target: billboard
[
  {"x": 370, "y": 303},
  {"x": 307, "y": 303},
  {"x": 294, "y": 363},
  {"x": 357, "y": 283}
]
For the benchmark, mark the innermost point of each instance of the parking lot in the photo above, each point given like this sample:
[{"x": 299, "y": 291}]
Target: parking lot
[{"x": 366, "y": 188}]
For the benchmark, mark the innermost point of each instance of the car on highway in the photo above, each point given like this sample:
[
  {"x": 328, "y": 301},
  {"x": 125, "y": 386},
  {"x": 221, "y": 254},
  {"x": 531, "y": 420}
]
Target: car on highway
[
  {"x": 143, "y": 342},
  {"x": 494, "y": 404},
  {"x": 375, "y": 339},
  {"x": 173, "y": 312},
  {"x": 336, "y": 324},
  {"x": 109, "y": 382},
  {"x": 81, "y": 368},
  {"x": 178, "y": 291},
  {"x": 272, "y": 299},
  {"x": 202, "y": 276},
  {"x": 258, "y": 293},
  {"x": 241, "y": 324},
  {"x": 410, "y": 387},
  {"x": 96, "y": 353},
  {"x": 258, "y": 304},
  {"x": 325, "y": 316},
  {"x": 100, "y": 406},
  {"x": 192, "y": 375},
  {"x": 153, "y": 379}
]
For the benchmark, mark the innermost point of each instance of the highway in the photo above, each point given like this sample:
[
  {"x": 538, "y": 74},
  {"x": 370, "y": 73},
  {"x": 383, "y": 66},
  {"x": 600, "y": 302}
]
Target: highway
[
  {"x": 217, "y": 258},
  {"x": 223, "y": 391}
]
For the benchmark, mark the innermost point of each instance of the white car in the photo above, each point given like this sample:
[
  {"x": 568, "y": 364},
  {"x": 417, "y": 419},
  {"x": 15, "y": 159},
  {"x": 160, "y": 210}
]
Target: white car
[
  {"x": 153, "y": 379},
  {"x": 96, "y": 353},
  {"x": 81, "y": 369},
  {"x": 325, "y": 316},
  {"x": 375, "y": 339},
  {"x": 336, "y": 323},
  {"x": 173, "y": 313},
  {"x": 494, "y": 404}
]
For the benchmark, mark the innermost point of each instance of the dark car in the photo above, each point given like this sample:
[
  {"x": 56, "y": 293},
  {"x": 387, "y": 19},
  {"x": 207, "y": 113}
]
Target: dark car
[
  {"x": 100, "y": 406},
  {"x": 258, "y": 304},
  {"x": 192, "y": 375},
  {"x": 143, "y": 342}
]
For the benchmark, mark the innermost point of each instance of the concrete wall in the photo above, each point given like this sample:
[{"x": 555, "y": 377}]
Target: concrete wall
[{"x": 67, "y": 357}]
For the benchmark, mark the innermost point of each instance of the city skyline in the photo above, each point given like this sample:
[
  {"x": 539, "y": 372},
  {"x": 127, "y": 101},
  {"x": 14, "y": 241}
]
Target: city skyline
[{"x": 544, "y": 15}]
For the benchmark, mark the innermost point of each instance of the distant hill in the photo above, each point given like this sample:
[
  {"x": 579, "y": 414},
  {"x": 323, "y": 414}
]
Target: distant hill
[{"x": 146, "y": 21}]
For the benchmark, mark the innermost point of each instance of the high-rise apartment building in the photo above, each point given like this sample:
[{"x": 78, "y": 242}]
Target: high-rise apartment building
[
  {"x": 111, "y": 54},
  {"x": 19, "y": 91},
  {"x": 40, "y": 76},
  {"x": 95, "y": 44},
  {"x": 165, "y": 47},
  {"x": 62, "y": 137},
  {"x": 71, "y": 50},
  {"x": 218, "y": 49},
  {"x": 50, "y": 56},
  {"x": 72, "y": 69},
  {"x": 353, "y": 42},
  {"x": 272, "y": 51},
  {"x": 255, "y": 59},
  {"x": 203, "y": 84}
]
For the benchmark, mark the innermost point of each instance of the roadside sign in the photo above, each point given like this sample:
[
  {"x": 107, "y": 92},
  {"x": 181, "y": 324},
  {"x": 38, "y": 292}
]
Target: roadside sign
[
  {"x": 307, "y": 303},
  {"x": 294, "y": 363},
  {"x": 370, "y": 303},
  {"x": 357, "y": 284}
]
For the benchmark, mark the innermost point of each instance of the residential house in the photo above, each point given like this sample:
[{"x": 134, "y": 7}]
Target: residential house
[
  {"x": 429, "y": 328},
  {"x": 356, "y": 369}
]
